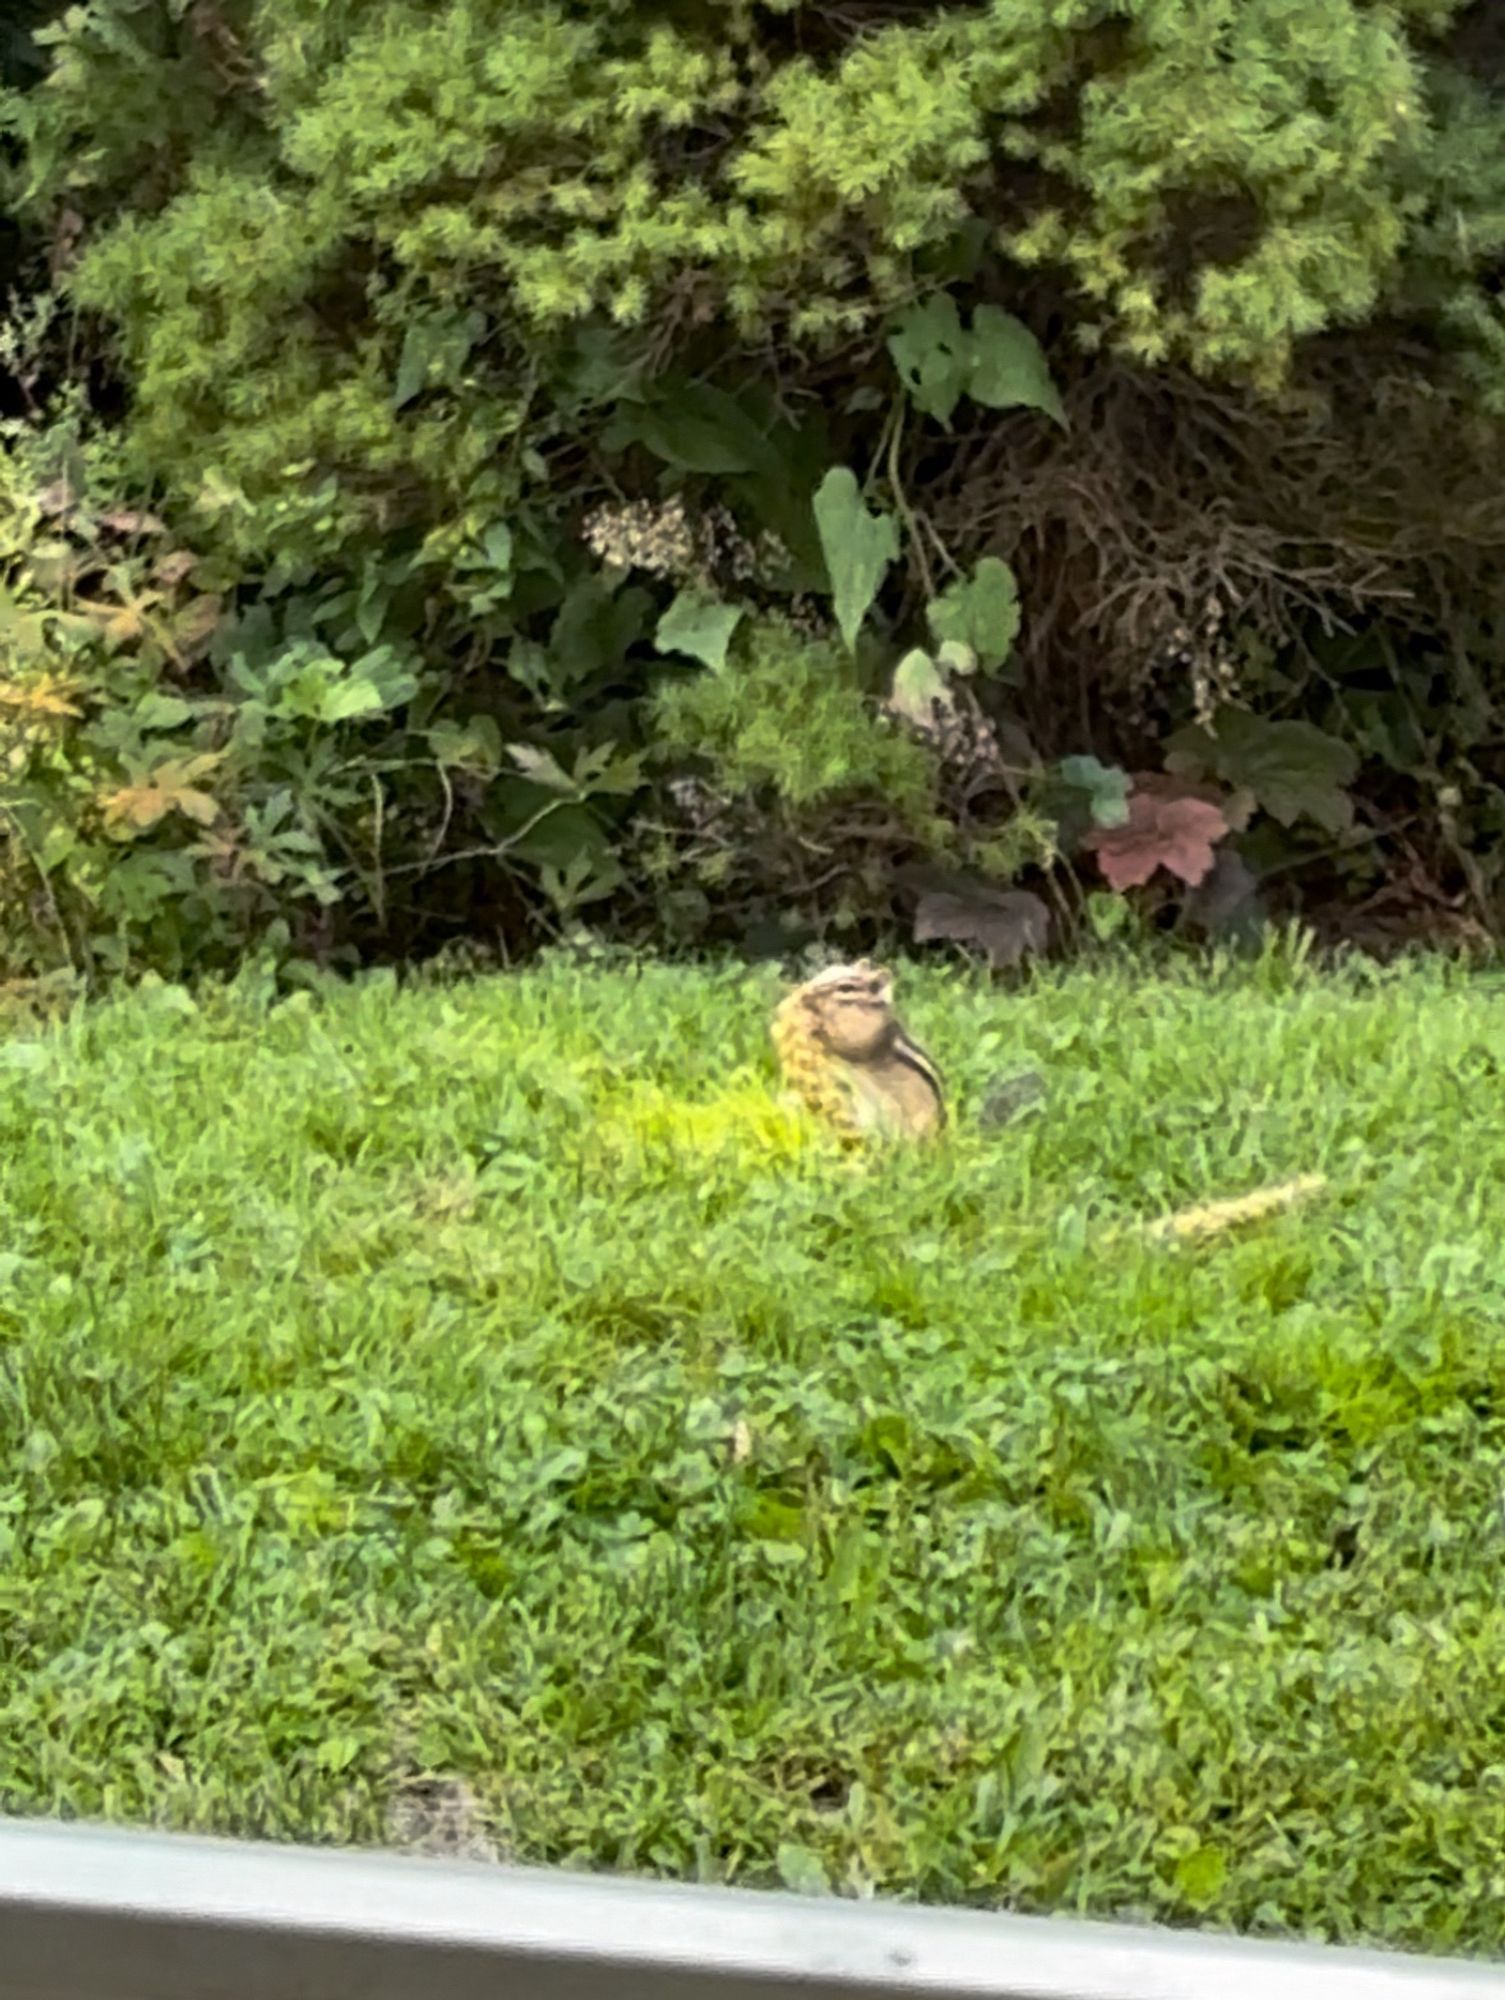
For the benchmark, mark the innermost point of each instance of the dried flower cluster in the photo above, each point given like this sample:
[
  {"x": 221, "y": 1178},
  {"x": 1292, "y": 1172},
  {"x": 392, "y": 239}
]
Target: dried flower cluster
[
  {"x": 665, "y": 539},
  {"x": 1202, "y": 655}
]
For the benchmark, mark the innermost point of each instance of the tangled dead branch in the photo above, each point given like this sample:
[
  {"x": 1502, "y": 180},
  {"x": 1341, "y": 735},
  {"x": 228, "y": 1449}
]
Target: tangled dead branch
[{"x": 1176, "y": 516}]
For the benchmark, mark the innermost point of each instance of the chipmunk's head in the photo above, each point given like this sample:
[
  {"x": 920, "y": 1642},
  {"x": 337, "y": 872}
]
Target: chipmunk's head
[{"x": 850, "y": 1008}]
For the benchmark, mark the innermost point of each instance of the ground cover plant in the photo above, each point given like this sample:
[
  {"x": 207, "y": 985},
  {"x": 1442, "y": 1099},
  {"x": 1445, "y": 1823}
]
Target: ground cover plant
[{"x": 487, "y": 1386}]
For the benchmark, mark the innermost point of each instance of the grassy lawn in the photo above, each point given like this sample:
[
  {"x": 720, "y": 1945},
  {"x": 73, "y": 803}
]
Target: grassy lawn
[{"x": 396, "y": 1385}]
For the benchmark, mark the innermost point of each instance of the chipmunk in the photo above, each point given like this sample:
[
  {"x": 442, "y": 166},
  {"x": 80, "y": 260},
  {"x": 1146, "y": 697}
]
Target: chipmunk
[{"x": 845, "y": 1053}]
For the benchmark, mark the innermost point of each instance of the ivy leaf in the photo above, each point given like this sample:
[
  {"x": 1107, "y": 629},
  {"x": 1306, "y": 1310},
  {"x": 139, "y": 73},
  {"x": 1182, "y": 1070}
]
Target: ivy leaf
[
  {"x": 1105, "y": 785},
  {"x": 919, "y": 689},
  {"x": 1009, "y": 369},
  {"x": 1292, "y": 768},
  {"x": 981, "y": 612},
  {"x": 1174, "y": 834},
  {"x": 698, "y": 626},
  {"x": 858, "y": 548},
  {"x": 932, "y": 355}
]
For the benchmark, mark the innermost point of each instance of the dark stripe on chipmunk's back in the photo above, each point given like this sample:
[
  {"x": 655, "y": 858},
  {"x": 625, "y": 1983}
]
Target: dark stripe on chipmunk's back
[{"x": 911, "y": 1058}]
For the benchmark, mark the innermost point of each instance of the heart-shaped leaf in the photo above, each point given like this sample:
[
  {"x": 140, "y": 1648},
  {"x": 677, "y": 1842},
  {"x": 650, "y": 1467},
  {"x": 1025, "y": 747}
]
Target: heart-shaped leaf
[
  {"x": 858, "y": 548},
  {"x": 933, "y": 355},
  {"x": 1009, "y": 369}
]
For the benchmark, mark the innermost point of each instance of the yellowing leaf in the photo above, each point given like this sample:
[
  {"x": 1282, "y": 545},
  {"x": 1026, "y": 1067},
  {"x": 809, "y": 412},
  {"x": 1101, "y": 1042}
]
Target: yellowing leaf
[
  {"x": 172, "y": 787},
  {"x": 195, "y": 623},
  {"x": 45, "y": 697},
  {"x": 919, "y": 689}
]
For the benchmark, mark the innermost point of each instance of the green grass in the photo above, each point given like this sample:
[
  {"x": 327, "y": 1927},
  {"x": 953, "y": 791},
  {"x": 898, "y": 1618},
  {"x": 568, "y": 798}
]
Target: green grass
[{"x": 390, "y": 1385}]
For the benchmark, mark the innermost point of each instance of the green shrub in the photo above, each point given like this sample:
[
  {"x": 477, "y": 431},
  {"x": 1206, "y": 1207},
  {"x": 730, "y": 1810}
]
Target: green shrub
[{"x": 402, "y": 300}]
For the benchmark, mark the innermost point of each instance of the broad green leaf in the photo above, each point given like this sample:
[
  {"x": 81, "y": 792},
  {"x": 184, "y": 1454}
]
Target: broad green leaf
[
  {"x": 858, "y": 548},
  {"x": 383, "y": 668},
  {"x": 919, "y": 688},
  {"x": 584, "y": 879},
  {"x": 955, "y": 656},
  {"x": 497, "y": 542},
  {"x": 802, "y": 1870},
  {"x": 1292, "y": 768},
  {"x": 554, "y": 839},
  {"x": 697, "y": 428},
  {"x": 1106, "y": 787},
  {"x": 435, "y": 348},
  {"x": 344, "y": 700},
  {"x": 594, "y": 628},
  {"x": 162, "y": 711},
  {"x": 981, "y": 612},
  {"x": 932, "y": 355},
  {"x": 607, "y": 769},
  {"x": 1009, "y": 369},
  {"x": 598, "y": 364},
  {"x": 412, "y": 365},
  {"x": 699, "y": 627},
  {"x": 475, "y": 745},
  {"x": 543, "y": 768}
]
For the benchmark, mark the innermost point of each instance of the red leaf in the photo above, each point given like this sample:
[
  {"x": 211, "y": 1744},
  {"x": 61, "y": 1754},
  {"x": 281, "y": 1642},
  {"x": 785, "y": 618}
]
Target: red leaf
[{"x": 1176, "y": 834}]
